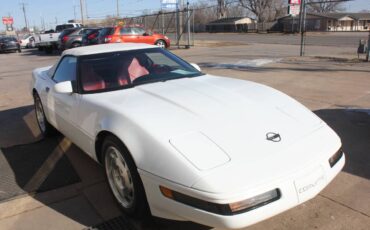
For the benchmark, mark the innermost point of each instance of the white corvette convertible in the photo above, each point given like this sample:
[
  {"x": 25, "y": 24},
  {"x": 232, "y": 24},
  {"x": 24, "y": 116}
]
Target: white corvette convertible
[{"x": 184, "y": 145}]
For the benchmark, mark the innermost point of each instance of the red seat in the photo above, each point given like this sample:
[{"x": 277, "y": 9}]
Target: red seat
[
  {"x": 130, "y": 70},
  {"x": 90, "y": 80}
]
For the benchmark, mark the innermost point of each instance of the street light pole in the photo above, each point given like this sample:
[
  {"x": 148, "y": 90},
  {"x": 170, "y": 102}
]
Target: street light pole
[
  {"x": 117, "y": 8},
  {"x": 82, "y": 11}
]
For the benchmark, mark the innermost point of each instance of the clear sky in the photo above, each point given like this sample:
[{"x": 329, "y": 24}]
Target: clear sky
[{"x": 62, "y": 10}]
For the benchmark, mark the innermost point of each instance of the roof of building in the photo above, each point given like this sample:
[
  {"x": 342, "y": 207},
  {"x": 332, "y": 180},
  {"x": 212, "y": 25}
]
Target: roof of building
[
  {"x": 339, "y": 15},
  {"x": 106, "y": 48},
  {"x": 228, "y": 20}
]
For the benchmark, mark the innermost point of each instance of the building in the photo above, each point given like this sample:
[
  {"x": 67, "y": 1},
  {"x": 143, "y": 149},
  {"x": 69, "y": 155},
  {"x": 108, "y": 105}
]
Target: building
[
  {"x": 329, "y": 22},
  {"x": 238, "y": 24}
]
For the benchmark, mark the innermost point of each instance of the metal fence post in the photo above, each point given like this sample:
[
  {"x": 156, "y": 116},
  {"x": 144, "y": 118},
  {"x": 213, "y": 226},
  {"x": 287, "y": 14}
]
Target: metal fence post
[
  {"x": 368, "y": 47},
  {"x": 303, "y": 26},
  {"x": 188, "y": 22}
]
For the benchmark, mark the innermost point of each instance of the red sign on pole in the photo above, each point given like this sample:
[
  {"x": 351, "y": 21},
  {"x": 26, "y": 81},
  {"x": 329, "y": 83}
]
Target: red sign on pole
[
  {"x": 8, "y": 20},
  {"x": 297, "y": 2}
]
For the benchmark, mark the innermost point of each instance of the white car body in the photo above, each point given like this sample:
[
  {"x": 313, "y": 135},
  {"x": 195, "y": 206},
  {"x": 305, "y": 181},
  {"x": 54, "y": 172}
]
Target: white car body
[
  {"x": 28, "y": 42},
  {"x": 204, "y": 137},
  {"x": 51, "y": 39}
]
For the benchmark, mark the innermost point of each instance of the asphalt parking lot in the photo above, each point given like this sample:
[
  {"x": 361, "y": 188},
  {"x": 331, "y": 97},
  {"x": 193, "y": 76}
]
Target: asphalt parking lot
[{"x": 51, "y": 184}]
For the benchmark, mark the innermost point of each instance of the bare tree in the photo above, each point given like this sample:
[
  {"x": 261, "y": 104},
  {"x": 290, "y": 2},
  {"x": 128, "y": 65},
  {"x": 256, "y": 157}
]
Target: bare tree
[
  {"x": 265, "y": 10},
  {"x": 204, "y": 12},
  {"x": 324, "y": 6},
  {"x": 221, "y": 9},
  {"x": 234, "y": 10}
]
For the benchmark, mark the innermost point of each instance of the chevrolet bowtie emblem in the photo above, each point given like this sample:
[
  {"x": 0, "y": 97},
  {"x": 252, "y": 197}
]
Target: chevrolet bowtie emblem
[{"x": 274, "y": 137}]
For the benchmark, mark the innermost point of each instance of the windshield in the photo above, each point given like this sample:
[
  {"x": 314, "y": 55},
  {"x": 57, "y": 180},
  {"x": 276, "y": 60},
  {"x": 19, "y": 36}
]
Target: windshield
[
  {"x": 112, "y": 71},
  {"x": 8, "y": 39},
  {"x": 136, "y": 30}
]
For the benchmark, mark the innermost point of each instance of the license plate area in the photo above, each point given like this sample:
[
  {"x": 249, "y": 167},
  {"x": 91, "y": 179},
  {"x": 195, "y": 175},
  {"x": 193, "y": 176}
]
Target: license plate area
[{"x": 309, "y": 184}]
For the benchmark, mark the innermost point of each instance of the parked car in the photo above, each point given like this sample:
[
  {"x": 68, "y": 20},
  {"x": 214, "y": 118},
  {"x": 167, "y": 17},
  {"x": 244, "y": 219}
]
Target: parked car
[
  {"x": 27, "y": 41},
  {"x": 48, "y": 41},
  {"x": 72, "y": 38},
  {"x": 92, "y": 37},
  {"x": 183, "y": 144},
  {"x": 103, "y": 33},
  {"x": 136, "y": 35},
  {"x": 9, "y": 43}
]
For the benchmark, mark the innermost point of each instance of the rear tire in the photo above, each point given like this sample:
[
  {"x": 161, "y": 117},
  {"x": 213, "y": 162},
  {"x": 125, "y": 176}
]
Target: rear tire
[
  {"x": 46, "y": 128},
  {"x": 123, "y": 179},
  {"x": 161, "y": 43},
  {"x": 75, "y": 45}
]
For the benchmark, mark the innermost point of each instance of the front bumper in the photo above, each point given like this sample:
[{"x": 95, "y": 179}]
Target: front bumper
[{"x": 295, "y": 189}]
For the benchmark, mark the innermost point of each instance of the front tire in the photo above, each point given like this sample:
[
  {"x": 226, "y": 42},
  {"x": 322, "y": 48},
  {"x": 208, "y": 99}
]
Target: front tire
[
  {"x": 46, "y": 128},
  {"x": 123, "y": 178}
]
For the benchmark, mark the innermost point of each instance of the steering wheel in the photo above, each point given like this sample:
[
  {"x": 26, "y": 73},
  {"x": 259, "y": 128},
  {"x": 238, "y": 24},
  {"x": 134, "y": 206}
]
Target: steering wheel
[{"x": 158, "y": 69}]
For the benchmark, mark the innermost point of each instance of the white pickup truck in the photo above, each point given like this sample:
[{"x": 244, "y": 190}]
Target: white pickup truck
[{"x": 48, "y": 41}]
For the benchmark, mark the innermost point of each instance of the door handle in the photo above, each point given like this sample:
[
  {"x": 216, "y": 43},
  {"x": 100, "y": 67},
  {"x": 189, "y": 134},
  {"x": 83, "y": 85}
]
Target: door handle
[{"x": 47, "y": 89}]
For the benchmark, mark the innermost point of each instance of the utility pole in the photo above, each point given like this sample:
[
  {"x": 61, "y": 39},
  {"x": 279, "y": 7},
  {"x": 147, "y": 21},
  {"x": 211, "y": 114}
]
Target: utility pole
[
  {"x": 302, "y": 27},
  {"x": 74, "y": 12},
  {"x": 86, "y": 11},
  {"x": 117, "y": 1},
  {"x": 23, "y": 7},
  {"x": 82, "y": 10}
]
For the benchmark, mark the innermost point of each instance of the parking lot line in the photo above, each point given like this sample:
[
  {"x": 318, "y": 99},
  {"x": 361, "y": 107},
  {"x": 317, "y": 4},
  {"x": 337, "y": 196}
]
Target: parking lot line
[{"x": 47, "y": 167}]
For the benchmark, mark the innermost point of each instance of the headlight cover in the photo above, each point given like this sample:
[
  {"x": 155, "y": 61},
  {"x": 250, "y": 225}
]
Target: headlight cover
[{"x": 223, "y": 209}]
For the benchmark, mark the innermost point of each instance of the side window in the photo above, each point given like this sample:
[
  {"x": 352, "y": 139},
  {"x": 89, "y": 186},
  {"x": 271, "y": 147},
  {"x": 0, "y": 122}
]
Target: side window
[
  {"x": 125, "y": 31},
  {"x": 66, "y": 70}
]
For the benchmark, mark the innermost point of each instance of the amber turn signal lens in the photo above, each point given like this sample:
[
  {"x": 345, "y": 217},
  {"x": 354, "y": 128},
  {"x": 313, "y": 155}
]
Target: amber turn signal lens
[{"x": 166, "y": 192}]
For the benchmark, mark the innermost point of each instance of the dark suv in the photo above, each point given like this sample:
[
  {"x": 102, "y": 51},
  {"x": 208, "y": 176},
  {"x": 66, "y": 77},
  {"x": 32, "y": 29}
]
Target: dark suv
[
  {"x": 9, "y": 43},
  {"x": 71, "y": 38},
  {"x": 96, "y": 36}
]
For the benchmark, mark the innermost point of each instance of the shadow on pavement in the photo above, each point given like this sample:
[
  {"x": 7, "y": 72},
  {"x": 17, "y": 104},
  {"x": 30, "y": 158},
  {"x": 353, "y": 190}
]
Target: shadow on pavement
[
  {"x": 353, "y": 127},
  {"x": 18, "y": 126},
  {"x": 36, "y": 52},
  {"x": 253, "y": 68},
  {"x": 58, "y": 174}
]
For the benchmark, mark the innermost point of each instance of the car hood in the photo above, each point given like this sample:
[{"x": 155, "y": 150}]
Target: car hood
[{"x": 215, "y": 122}]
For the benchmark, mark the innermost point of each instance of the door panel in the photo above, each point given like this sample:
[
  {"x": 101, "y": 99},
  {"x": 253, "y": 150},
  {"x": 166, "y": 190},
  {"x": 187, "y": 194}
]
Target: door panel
[
  {"x": 63, "y": 107},
  {"x": 46, "y": 99}
]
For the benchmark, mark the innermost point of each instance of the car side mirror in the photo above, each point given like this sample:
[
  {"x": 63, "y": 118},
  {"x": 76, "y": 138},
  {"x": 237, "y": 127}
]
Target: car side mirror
[
  {"x": 64, "y": 87},
  {"x": 196, "y": 66}
]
